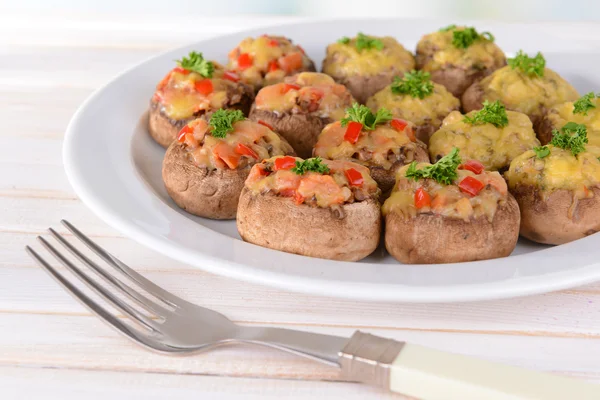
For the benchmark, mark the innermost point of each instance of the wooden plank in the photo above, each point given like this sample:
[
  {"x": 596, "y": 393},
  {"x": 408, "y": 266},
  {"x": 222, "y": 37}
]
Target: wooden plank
[
  {"x": 39, "y": 111},
  {"x": 60, "y": 384},
  {"x": 566, "y": 315},
  {"x": 79, "y": 342}
]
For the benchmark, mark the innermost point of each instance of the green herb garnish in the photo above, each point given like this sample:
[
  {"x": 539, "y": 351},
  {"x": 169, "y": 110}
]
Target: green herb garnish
[
  {"x": 584, "y": 104},
  {"x": 415, "y": 83},
  {"x": 221, "y": 122},
  {"x": 195, "y": 62},
  {"x": 491, "y": 113},
  {"x": 571, "y": 137},
  {"x": 363, "y": 42},
  {"x": 310, "y": 165},
  {"x": 532, "y": 66},
  {"x": 448, "y": 28},
  {"x": 443, "y": 171},
  {"x": 463, "y": 38},
  {"x": 541, "y": 151},
  {"x": 364, "y": 115}
]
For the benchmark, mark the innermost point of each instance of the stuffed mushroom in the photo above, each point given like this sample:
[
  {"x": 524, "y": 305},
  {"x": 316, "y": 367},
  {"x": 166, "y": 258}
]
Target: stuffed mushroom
[
  {"x": 268, "y": 59},
  {"x": 417, "y": 99},
  {"x": 458, "y": 56},
  {"x": 583, "y": 111},
  {"x": 525, "y": 85},
  {"x": 366, "y": 64},
  {"x": 375, "y": 140},
  {"x": 492, "y": 136},
  {"x": 442, "y": 214},
  {"x": 317, "y": 208},
  {"x": 205, "y": 168},
  {"x": 194, "y": 88},
  {"x": 300, "y": 107},
  {"x": 558, "y": 188}
]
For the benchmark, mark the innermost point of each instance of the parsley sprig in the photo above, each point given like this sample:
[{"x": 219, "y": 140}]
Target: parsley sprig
[
  {"x": 415, "y": 83},
  {"x": 221, "y": 122},
  {"x": 541, "y": 151},
  {"x": 532, "y": 66},
  {"x": 448, "y": 28},
  {"x": 572, "y": 137},
  {"x": 463, "y": 38},
  {"x": 364, "y": 115},
  {"x": 491, "y": 113},
  {"x": 364, "y": 42},
  {"x": 195, "y": 62},
  {"x": 585, "y": 103},
  {"x": 311, "y": 165},
  {"x": 443, "y": 171}
]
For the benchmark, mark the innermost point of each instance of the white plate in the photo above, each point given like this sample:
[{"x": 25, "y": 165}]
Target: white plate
[{"x": 115, "y": 168}]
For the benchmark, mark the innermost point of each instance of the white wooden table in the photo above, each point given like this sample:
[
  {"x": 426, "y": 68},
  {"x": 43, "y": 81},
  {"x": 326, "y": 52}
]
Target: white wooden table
[{"x": 52, "y": 347}]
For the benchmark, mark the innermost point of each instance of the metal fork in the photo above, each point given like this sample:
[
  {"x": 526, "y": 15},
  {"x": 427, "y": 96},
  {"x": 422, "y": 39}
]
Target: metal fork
[{"x": 171, "y": 325}]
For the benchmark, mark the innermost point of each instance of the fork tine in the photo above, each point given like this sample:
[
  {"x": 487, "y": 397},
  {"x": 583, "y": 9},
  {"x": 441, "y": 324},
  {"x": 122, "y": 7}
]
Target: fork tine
[
  {"x": 129, "y": 311},
  {"x": 139, "y": 298},
  {"x": 150, "y": 287},
  {"x": 94, "y": 307}
]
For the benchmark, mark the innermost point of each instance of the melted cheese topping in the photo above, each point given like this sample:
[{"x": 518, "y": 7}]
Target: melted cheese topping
[
  {"x": 430, "y": 110},
  {"x": 482, "y": 54},
  {"x": 345, "y": 60},
  {"x": 318, "y": 95},
  {"x": 179, "y": 99},
  {"x": 382, "y": 147},
  {"x": 249, "y": 143},
  {"x": 560, "y": 114},
  {"x": 447, "y": 200},
  {"x": 494, "y": 147},
  {"x": 559, "y": 170},
  {"x": 321, "y": 190},
  {"x": 272, "y": 58},
  {"x": 526, "y": 94}
]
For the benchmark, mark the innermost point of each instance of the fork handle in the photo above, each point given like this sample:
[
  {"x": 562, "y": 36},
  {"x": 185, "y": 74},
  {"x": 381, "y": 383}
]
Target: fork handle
[{"x": 430, "y": 374}]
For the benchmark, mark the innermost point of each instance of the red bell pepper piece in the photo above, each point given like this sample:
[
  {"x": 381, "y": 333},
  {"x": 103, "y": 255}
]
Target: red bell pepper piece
[
  {"x": 284, "y": 163},
  {"x": 422, "y": 198},
  {"x": 354, "y": 177},
  {"x": 473, "y": 166},
  {"x": 204, "y": 86},
  {"x": 244, "y": 61},
  {"x": 184, "y": 131},
  {"x": 245, "y": 151},
  {"x": 353, "y": 131},
  {"x": 232, "y": 76},
  {"x": 471, "y": 185}
]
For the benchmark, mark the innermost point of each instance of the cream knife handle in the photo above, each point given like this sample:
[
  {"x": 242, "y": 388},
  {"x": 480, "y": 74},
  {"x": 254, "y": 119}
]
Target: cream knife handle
[{"x": 429, "y": 374}]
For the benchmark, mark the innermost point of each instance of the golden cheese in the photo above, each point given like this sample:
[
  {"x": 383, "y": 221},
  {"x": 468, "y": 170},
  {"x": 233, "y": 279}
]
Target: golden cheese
[
  {"x": 429, "y": 110},
  {"x": 559, "y": 170},
  {"x": 526, "y": 94},
  {"x": 268, "y": 55},
  {"x": 345, "y": 60},
  {"x": 447, "y": 200},
  {"x": 376, "y": 145},
  {"x": 562, "y": 113},
  {"x": 318, "y": 95},
  {"x": 179, "y": 98},
  {"x": 494, "y": 147},
  {"x": 325, "y": 190},
  {"x": 211, "y": 152},
  {"x": 481, "y": 54}
]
